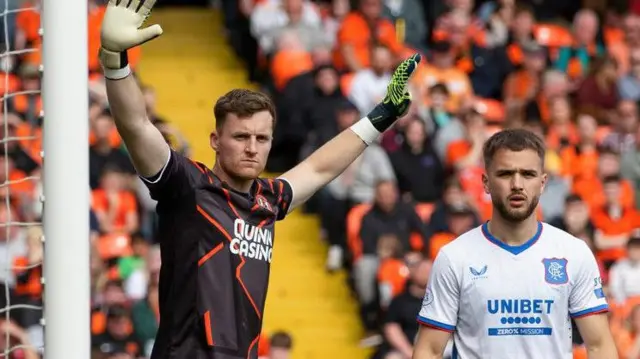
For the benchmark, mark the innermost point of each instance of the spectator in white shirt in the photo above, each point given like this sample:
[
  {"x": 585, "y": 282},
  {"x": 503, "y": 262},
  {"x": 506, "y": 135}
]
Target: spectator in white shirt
[
  {"x": 269, "y": 18},
  {"x": 624, "y": 277},
  {"x": 370, "y": 85}
]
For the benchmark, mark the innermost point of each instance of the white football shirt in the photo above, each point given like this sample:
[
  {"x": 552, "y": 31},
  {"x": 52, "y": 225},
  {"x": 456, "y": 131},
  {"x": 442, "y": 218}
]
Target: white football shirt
[{"x": 505, "y": 302}]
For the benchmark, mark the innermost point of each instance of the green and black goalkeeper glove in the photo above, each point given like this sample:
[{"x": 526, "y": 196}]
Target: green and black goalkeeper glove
[{"x": 397, "y": 101}]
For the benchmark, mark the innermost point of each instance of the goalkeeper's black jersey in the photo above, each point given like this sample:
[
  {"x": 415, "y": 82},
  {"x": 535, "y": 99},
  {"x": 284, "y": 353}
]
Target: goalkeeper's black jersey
[{"x": 216, "y": 251}]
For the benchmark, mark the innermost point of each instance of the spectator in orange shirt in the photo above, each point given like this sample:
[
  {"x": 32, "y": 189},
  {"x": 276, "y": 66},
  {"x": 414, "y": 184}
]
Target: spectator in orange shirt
[
  {"x": 562, "y": 131},
  {"x": 614, "y": 223},
  {"x": 466, "y": 153},
  {"x": 103, "y": 152},
  {"x": 460, "y": 219},
  {"x": 393, "y": 272},
  {"x": 554, "y": 84},
  {"x": 359, "y": 30},
  {"x": 114, "y": 206},
  {"x": 591, "y": 188},
  {"x": 442, "y": 69},
  {"x": 581, "y": 160},
  {"x": 400, "y": 326},
  {"x": 628, "y": 341},
  {"x": 523, "y": 85}
]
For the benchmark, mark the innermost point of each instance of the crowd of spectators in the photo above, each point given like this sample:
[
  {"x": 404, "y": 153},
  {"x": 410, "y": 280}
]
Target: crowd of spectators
[
  {"x": 125, "y": 260},
  {"x": 567, "y": 70}
]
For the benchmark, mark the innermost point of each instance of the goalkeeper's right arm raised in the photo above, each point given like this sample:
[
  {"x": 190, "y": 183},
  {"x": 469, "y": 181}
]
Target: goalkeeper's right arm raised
[{"x": 120, "y": 32}]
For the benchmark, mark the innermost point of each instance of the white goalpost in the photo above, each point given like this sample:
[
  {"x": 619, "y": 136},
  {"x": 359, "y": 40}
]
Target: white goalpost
[{"x": 66, "y": 180}]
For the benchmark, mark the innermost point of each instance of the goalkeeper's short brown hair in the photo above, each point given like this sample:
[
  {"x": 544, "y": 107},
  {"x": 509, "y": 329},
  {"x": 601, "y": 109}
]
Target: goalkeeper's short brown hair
[{"x": 242, "y": 103}]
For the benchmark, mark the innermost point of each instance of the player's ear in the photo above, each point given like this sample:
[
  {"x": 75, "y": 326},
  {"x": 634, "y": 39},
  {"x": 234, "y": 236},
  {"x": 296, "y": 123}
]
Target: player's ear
[
  {"x": 485, "y": 183},
  {"x": 213, "y": 140},
  {"x": 544, "y": 182}
]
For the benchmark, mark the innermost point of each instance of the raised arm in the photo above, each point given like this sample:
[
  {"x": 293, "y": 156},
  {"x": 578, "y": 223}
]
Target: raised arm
[
  {"x": 121, "y": 31},
  {"x": 326, "y": 163}
]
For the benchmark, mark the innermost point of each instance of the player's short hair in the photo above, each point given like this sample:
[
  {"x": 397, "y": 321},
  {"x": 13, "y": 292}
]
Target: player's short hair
[
  {"x": 242, "y": 103},
  {"x": 281, "y": 340},
  {"x": 515, "y": 139}
]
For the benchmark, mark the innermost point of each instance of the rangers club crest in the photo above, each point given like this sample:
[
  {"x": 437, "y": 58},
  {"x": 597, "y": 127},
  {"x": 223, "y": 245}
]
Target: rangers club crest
[
  {"x": 262, "y": 202},
  {"x": 555, "y": 270}
]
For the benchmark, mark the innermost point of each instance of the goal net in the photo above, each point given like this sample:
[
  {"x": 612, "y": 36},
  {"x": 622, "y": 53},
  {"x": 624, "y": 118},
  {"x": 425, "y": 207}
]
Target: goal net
[{"x": 44, "y": 160}]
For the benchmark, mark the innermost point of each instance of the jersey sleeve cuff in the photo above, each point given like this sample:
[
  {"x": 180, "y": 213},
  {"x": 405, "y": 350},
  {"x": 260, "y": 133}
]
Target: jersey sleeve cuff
[
  {"x": 436, "y": 324},
  {"x": 158, "y": 176},
  {"x": 590, "y": 311}
]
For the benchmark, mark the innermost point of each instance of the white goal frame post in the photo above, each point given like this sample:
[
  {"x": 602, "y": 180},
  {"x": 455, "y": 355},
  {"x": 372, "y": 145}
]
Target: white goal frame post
[{"x": 66, "y": 180}]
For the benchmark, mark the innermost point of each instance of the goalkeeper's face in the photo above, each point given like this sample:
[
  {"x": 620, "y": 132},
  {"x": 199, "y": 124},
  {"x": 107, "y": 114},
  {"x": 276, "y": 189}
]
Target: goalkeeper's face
[{"x": 242, "y": 145}]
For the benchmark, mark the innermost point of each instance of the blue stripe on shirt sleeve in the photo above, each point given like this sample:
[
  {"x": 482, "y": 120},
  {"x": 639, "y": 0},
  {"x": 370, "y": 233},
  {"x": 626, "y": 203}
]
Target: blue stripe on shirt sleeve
[
  {"x": 594, "y": 310},
  {"x": 438, "y": 325}
]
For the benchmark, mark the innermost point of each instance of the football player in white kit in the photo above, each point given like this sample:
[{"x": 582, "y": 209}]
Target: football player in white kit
[{"x": 509, "y": 288}]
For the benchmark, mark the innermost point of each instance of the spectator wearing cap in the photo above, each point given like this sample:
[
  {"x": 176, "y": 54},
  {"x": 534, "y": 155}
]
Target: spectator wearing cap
[
  {"x": 419, "y": 171},
  {"x": 624, "y": 277},
  {"x": 369, "y": 86}
]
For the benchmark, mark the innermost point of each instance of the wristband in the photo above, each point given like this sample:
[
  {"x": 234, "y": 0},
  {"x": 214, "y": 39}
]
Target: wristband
[
  {"x": 117, "y": 74},
  {"x": 365, "y": 130}
]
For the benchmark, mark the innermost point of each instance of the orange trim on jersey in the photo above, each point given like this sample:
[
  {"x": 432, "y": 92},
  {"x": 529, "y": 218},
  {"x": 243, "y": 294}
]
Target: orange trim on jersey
[
  {"x": 210, "y": 254},
  {"x": 253, "y": 343},
  {"x": 214, "y": 222},
  {"x": 281, "y": 189},
  {"x": 233, "y": 208},
  {"x": 242, "y": 260},
  {"x": 207, "y": 327}
]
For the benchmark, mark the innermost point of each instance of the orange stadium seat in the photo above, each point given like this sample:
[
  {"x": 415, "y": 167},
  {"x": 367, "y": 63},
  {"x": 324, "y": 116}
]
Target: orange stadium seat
[{"x": 354, "y": 223}]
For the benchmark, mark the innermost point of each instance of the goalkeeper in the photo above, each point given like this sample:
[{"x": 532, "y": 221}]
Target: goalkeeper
[{"x": 217, "y": 225}]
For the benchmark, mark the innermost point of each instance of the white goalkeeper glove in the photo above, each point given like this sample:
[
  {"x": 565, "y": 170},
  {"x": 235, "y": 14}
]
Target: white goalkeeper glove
[{"x": 121, "y": 31}]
